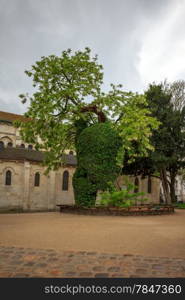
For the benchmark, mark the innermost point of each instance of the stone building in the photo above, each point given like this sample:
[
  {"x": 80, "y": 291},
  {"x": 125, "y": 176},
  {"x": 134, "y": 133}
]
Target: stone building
[
  {"x": 180, "y": 188},
  {"x": 23, "y": 184},
  {"x": 149, "y": 185}
]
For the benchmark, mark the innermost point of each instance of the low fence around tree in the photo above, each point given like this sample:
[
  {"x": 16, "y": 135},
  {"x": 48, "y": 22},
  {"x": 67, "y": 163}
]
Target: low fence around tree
[{"x": 117, "y": 211}]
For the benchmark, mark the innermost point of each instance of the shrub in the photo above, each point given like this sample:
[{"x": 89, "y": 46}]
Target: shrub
[{"x": 122, "y": 198}]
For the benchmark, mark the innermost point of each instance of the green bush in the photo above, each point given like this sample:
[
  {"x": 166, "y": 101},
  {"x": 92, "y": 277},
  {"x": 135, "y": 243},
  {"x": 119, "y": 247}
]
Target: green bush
[
  {"x": 180, "y": 205},
  {"x": 122, "y": 198},
  {"x": 97, "y": 147}
]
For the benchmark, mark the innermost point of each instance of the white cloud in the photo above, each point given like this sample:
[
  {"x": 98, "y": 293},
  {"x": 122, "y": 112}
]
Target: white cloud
[
  {"x": 6, "y": 103},
  {"x": 137, "y": 42},
  {"x": 162, "y": 54}
]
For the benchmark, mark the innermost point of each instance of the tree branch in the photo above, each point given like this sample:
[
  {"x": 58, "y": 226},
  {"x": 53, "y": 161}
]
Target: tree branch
[
  {"x": 121, "y": 115},
  {"x": 93, "y": 108}
]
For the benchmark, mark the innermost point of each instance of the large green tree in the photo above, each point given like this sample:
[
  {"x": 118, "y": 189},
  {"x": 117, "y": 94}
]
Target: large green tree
[
  {"x": 68, "y": 91},
  {"x": 168, "y": 140}
]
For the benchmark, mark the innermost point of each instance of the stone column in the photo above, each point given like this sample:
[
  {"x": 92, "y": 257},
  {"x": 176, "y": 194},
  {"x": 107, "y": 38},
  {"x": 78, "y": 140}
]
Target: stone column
[
  {"x": 26, "y": 186},
  {"x": 155, "y": 190},
  {"x": 51, "y": 190}
]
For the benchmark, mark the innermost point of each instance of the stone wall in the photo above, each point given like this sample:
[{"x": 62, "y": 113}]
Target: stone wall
[
  {"x": 9, "y": 133},
  {"x": 153, "y": 197},
  {"x": 24, "y": 195},
  {"x": 12, "y": 196},
  {"x": 64, "y": 197}
]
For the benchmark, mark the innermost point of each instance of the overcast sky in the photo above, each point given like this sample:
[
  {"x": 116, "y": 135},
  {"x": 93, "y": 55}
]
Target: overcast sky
[{"x": 137, "y": 41}]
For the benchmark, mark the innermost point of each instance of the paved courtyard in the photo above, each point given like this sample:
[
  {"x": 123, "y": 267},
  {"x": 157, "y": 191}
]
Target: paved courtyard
[{"x": 66, "y": 245}]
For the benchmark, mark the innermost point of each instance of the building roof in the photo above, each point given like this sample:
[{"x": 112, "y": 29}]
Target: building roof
[
  {"x": 9, "y": 117},
  {"x": 31, "y": 155}
]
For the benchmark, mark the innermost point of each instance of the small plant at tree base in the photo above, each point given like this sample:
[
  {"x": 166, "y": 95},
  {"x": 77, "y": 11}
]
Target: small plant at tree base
[
  {"x": 122, "y": 198},
  {"x": 180, "y": 205}
]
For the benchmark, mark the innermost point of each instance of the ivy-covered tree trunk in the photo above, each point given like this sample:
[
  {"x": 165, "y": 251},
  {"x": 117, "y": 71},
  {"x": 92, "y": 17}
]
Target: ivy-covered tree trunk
[
  {"x": 97, "y": 147},
  {"x": 163, "y": 175},
  {"x": 172, "y": 185},
  {"x": 84, "y": 190}
]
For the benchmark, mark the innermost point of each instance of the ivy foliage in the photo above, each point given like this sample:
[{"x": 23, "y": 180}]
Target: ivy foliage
[
  {"x": 84, "y": 190},
  {"x": 98, "y": 157},
  {"x": 97, "y": 148}
]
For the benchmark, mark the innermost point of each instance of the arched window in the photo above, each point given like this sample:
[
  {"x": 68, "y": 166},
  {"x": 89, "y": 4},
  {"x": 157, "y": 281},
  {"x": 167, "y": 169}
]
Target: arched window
[
  {"x": 149, "y": 185},
  {"x": 10, "y": 145},
  {"x": 1, "y": 145},
  {"x": 30, "y": 147},
  {"x": 71, "y": 152},
  {"x": 8, "y": 178},
  {"x": 65, "y": 182},
  {"x": 22, "y": 146},
  {"x": 37, "y": 179},
  {"x": 136, "y": 183}
]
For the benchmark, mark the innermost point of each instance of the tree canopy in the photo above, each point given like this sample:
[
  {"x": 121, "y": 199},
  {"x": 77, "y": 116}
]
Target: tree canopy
[
  {"x": 69, "y": 110},
  {"x": 168, "y": 140},
  {"x": 68, "y": 88}
]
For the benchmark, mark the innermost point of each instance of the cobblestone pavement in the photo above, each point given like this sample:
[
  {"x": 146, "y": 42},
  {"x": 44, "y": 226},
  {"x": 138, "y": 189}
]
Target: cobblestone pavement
[{"x": 31, "y": 262}]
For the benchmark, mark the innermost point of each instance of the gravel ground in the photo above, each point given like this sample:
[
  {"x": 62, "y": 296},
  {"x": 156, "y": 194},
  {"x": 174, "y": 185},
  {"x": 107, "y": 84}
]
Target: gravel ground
[{"x": 158, "y": 236}]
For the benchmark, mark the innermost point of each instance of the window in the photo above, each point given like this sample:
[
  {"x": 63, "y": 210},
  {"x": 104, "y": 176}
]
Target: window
[
  {"x": 71, "y": 152},
  {"x": 65, "y": 182},
  {"x": 37, "y": 179},
  {"x": 22, "y": 146},
  {"x": 149, "y": 185},
  {"x": 8, "y": 178},
  {"x": 1, "y": 145},
  {"x": 10, "y": 145},
  {"x": 30, "y": 147},
  {"x": 136, "y": 183}
]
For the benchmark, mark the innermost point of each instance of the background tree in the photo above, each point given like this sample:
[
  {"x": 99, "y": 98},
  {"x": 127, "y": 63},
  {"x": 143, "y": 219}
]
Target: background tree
[
  {"x": 168, "y": 140},
  {"x": 69, "y": 92},
  {"x": 177, "y": 90}
]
